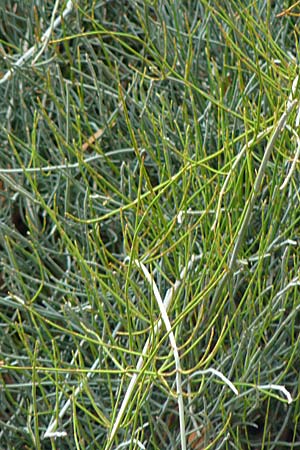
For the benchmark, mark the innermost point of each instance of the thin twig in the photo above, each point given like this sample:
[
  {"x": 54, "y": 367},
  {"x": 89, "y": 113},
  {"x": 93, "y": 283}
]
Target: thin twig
[
  {"x": 257, "y": 184},
  {"x": 218, "y": 374},
  {"x": 166, "y": 304},
  {"x": 249, "y": 144},
  {"x": 172, "y": 339},
  {"x": 250, "y": 204},
  {"x": 277, "y": 387},
  {"x": 24, "y": 58},
  {"x": 295, "y": 160},
  {"x": 46, "y": 36},
  {"x": 51, "y": 430}
]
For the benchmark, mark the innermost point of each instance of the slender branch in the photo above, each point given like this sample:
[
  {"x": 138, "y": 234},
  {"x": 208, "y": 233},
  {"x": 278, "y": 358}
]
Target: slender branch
[
  {"x": 249, "y": 206},
  {"x": 24, "y": 58},
  {"x": 166, "y": 304}
]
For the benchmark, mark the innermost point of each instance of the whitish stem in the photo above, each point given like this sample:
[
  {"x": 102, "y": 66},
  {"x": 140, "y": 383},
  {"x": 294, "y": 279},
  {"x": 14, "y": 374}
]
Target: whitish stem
[
  {"x": 166, "y": 303},
  {"x": 256, "y": 188},
  {"x": 54, "y": 24}
]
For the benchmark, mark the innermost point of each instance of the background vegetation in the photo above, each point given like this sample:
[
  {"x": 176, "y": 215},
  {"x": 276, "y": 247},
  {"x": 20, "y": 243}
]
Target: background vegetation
[{"x": 149, "y": 231}]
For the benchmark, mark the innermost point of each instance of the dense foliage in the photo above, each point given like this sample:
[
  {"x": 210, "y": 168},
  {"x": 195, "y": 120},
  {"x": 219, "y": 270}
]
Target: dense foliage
[{"x": 149, "y": 230}]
